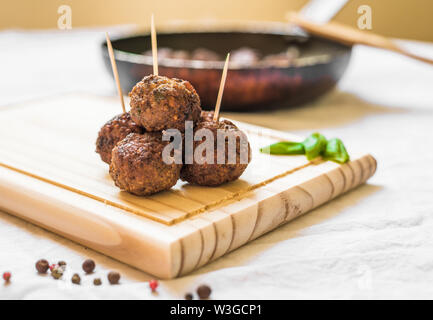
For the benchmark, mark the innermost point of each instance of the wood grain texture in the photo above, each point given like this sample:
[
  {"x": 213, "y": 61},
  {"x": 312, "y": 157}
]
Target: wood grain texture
[{"x": 50, "y": 175}]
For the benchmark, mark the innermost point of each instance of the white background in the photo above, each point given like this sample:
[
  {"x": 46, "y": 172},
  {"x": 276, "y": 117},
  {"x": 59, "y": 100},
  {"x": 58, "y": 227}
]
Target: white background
[{"x": 374, "y": 242}]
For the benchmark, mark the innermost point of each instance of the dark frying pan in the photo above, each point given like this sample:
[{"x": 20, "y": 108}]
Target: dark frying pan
[{"x": 320, "y": 64}]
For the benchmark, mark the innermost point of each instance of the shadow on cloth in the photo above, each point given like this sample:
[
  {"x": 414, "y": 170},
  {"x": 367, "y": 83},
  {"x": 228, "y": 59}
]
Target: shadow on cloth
[
  {"x": 100, "y": 259},
  {"x": 288, "y": 231},
  {"x": 235, "y": 258},
  {"x": 335, "y": 109}
]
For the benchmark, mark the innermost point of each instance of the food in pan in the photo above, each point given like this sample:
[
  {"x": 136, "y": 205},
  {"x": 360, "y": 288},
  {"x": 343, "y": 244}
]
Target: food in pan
[
  {"x": 210, "y": 170},
  {"x": 203, "y": 54},
  {"x": 159, "y": 103},
  {"x": 243, "y": 56},
  {"x": 137, "y": 164},
  {"x": 197, "y": 54},
  {"x": 114, "y": 131}
]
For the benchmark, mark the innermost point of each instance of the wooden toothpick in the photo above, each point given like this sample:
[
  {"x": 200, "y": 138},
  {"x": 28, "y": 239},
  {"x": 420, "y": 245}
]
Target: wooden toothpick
[
  {"x": 115, "y": 73},
  {"x": 154, "y": 46},
  {"x": 221, "y": 90}
]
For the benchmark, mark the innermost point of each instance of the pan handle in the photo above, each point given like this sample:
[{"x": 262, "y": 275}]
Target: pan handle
[{"x": 347, "y": 35}]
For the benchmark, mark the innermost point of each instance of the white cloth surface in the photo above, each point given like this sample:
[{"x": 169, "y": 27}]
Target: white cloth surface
[{"x": 374, "y": 242}]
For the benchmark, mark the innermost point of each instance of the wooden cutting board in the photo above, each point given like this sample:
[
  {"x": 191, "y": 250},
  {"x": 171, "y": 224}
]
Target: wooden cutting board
[{"x": 51, "y": 176}]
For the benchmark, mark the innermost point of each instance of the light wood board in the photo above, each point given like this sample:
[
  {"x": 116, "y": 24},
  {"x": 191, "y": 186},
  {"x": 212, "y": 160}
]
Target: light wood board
[{"x": 50, "y": 175}]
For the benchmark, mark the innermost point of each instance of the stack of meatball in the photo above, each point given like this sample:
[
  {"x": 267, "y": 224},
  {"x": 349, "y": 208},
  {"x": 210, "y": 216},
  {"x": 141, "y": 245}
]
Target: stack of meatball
[{"x": 131, "y": 143}]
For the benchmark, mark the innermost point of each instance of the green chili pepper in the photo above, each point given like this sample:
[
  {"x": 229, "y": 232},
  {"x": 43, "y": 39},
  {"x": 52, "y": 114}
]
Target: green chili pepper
[
  {"x": 285, "y": 147},
  {"x": 335, "y": 151},
  {"x": 314, "y": 145}
]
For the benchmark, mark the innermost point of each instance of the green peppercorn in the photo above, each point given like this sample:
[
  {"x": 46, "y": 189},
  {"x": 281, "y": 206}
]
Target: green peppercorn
[
  {"x": 76, "y": 278},
  {"x": 57, "y": 272}
]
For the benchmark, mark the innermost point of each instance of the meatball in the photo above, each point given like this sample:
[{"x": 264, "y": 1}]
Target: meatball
[
  {"x": 206, "y": 116},
  {"x": 112, "y": 132},
  {"x": 204, "y": 173},
  {"x": 137, "y": 165},
  {"x": 159, "y": 103}
]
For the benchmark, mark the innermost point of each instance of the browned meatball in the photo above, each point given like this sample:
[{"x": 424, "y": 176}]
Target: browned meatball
[
  {"x": 202, "y": 172},
  {"x": 206, "y": 116},
  {"x": 159, "y": 103},
  {"x": 112, "y": 132},
  {"x": 137, "y": 165}
]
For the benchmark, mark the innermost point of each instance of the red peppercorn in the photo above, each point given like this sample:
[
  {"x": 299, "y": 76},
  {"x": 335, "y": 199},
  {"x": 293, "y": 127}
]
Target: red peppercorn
[
  {"x": 153, "y": 284},
  {"x": 7, "y": 276},
  {"x": 52, "y": 267}
]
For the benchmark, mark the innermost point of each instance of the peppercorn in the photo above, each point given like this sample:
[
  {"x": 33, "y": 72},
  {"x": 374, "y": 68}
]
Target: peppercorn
[
  {"x": 61, "y": 264},
  {"x": 204, "y": 291},
  {"x": 153, "y": 284},
  {"x": 76, "y": 278},
  {"x": 113, "y": 277},
  {"x": 188, "y": 296},
  {"x": 97, "y": 282},
  {"x": 52, "y": 266},
  {"x": 7, "y": 276},
  {"x": 57, "y": 272},
  {"x": 42, "y": 266},
  {"x": 88, "y": 266}
]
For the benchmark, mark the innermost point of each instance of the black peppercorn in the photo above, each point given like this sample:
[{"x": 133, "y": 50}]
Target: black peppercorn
[
  {"x": 76, "y": 278},
  {"x": 188, "y": 296},
  {"x": 88, "y": 266},
  {"x": 97, "y": 282},
  {"x": 113, "y": 277},
  {"x": 61, "y": 264},
  {"x": 204, "y": 291},
  {"x": 42, "y": 266}
]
